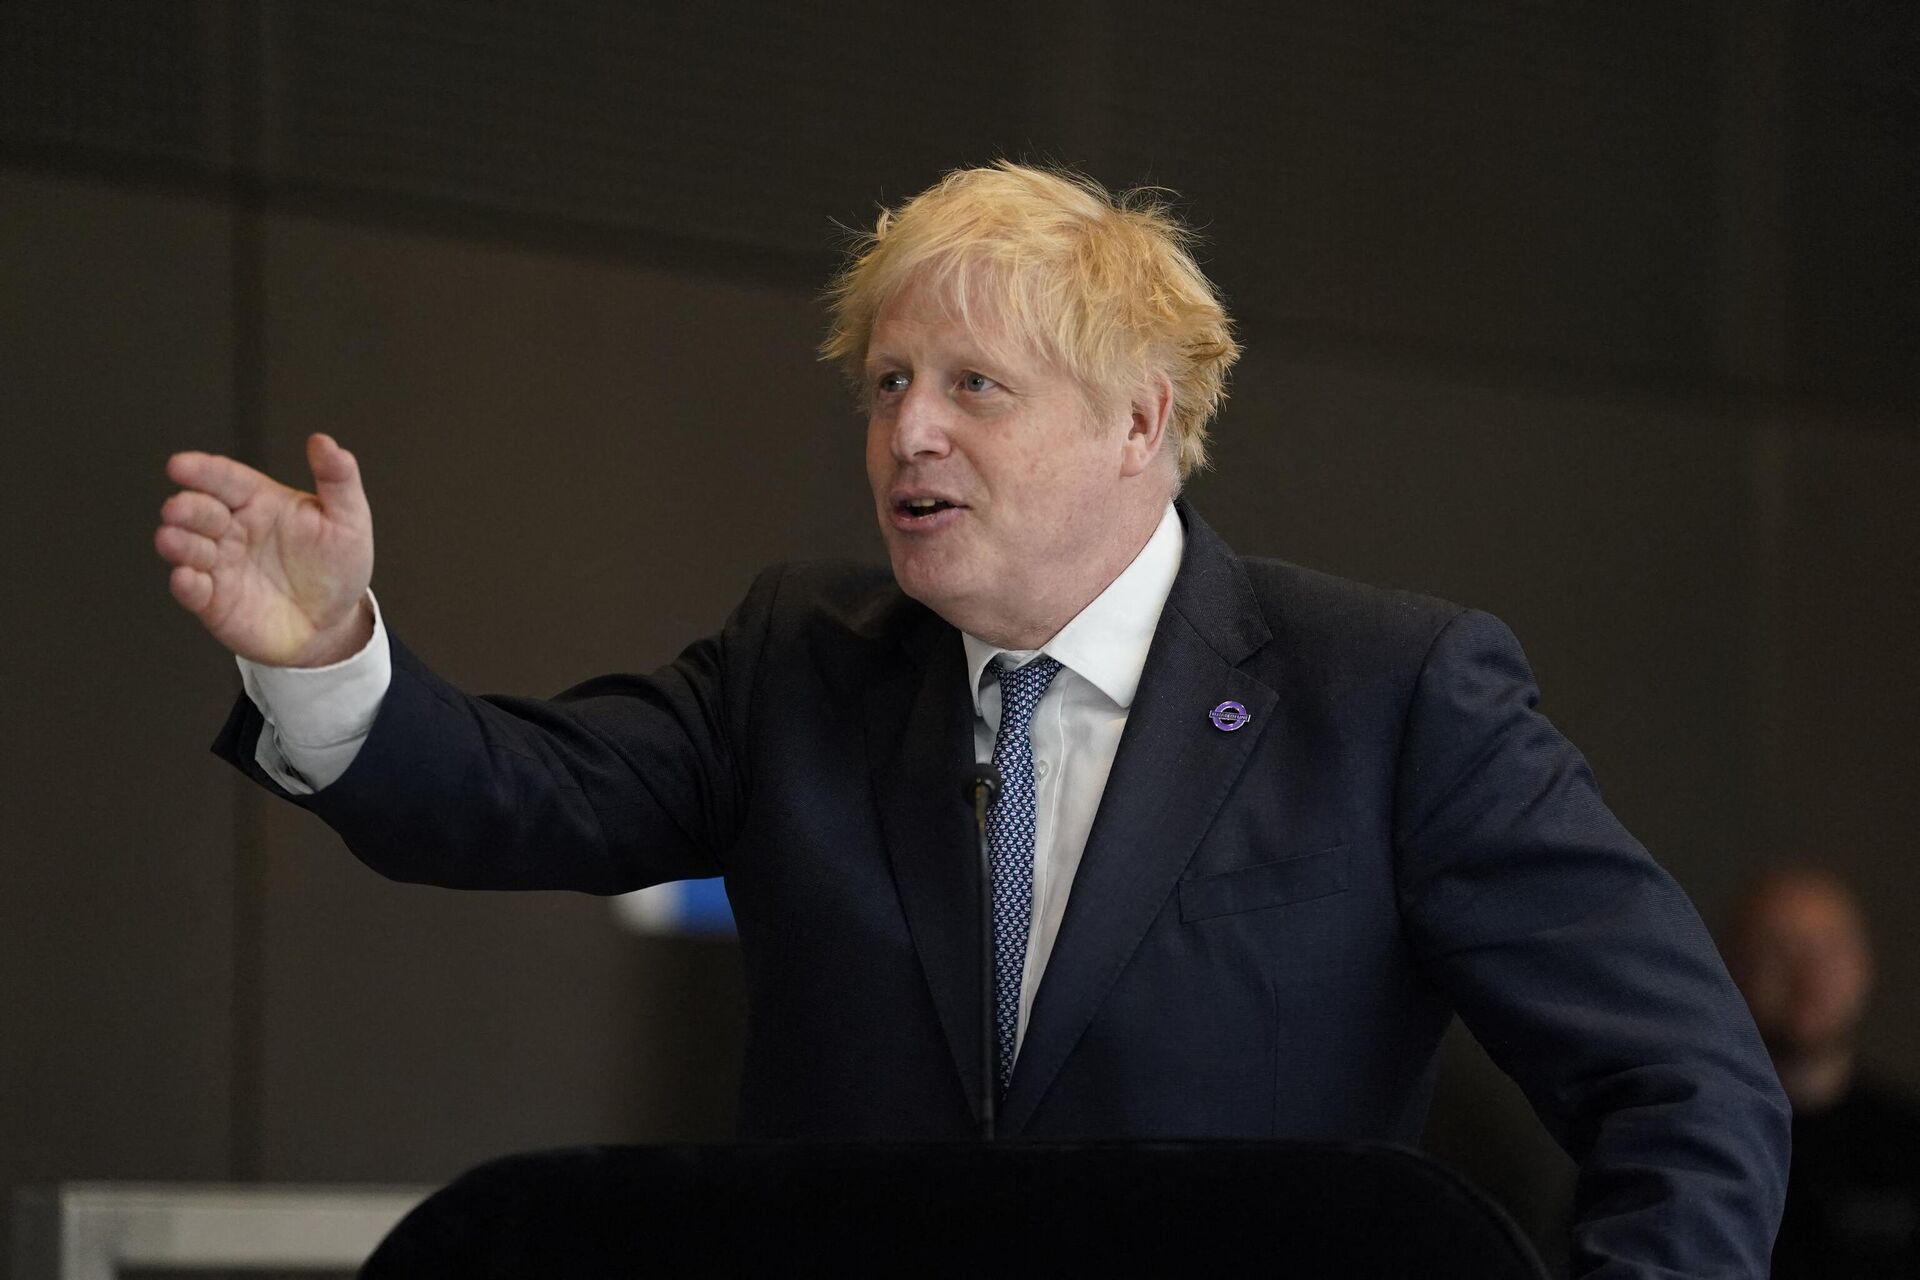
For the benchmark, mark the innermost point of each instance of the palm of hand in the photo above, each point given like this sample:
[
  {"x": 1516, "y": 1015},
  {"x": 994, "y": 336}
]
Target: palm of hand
[
  {"x": 284, "y": 574},
  {"x": 278, "y": 576}
]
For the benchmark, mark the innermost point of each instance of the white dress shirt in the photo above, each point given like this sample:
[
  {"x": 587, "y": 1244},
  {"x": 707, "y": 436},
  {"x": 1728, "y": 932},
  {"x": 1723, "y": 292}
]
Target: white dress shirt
[
  {"x": 318, "y": 717},
  {"x": 1076, "y": 728}
]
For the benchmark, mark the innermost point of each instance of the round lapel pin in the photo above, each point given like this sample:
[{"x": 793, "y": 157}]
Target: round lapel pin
[{"x": 1229, "y": 716}]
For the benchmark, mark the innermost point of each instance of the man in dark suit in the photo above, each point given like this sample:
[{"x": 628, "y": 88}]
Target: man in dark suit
[
  {"x": 1262, "y": 831},
  {"x": 1799, "y": 949}
]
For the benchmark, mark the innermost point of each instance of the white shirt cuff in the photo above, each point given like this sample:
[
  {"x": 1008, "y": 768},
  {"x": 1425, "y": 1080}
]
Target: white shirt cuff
[{"x": 318, "y": 717}]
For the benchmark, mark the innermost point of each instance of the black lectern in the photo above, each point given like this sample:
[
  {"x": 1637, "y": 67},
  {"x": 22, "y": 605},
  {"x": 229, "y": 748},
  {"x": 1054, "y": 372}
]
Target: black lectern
[{"x": 1305, "y": 1210}]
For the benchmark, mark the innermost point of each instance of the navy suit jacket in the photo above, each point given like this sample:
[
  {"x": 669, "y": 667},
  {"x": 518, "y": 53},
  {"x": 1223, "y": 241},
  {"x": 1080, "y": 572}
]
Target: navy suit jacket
[{"x": 1268, "y": 932}]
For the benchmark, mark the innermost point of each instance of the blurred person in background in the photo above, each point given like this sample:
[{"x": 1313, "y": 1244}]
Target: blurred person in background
[{"x": 1800, "y": 952}]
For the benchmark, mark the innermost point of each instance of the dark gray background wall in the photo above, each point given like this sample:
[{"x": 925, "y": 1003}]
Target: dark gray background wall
[{"x": 1598, "y": 315}]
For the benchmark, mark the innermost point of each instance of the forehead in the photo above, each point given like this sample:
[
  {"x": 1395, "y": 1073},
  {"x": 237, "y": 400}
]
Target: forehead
[
  {"x": 962, "y": 311},
  {"x": 1806, "y": 907}
]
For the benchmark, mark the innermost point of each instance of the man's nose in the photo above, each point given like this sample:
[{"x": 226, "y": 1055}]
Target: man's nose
[{"x": 920, "y": 425}]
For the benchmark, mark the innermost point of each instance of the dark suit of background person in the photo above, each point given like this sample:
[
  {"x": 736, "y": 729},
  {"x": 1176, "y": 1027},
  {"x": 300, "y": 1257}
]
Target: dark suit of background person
[{"x": 1269, "y": 930}]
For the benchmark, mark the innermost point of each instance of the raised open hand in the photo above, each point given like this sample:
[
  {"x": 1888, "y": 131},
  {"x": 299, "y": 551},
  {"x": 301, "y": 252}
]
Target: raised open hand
[{"x": 277, "y": 575}]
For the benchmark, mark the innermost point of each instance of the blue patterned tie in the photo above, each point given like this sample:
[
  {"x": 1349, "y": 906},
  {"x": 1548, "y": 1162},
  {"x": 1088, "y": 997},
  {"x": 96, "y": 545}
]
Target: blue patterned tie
[{"x": 1010, "y": 827}]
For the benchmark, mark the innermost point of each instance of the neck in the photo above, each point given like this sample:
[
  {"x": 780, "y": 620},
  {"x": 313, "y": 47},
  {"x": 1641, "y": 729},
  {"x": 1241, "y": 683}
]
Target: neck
[
  {"x": 1033, "y": 628},
  {"x": 1815, "y": 1080}
]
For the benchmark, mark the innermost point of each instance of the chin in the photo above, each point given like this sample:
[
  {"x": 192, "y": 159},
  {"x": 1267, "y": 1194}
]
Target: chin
[
  {"x": 916, "y": 581},
  {"x": 935, "y": 586}
]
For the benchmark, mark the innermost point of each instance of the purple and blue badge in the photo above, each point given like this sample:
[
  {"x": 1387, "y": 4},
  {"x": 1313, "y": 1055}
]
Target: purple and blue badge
[{"x": 1229, "y": 716}]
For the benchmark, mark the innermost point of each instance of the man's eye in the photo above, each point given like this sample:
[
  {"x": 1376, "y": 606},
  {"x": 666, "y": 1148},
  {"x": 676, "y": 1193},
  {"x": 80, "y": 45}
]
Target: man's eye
[{"x": 977, "y": 382}]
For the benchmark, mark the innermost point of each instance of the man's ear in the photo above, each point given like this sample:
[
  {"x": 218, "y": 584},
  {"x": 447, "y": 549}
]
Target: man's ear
[{"x": 1147, "y": 417}]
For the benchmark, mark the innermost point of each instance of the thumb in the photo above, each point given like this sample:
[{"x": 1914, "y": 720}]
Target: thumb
[{"x": 336, "y": 478}]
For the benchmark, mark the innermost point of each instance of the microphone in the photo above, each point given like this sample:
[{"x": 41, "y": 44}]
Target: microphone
[{"x": 980, "y": 789}]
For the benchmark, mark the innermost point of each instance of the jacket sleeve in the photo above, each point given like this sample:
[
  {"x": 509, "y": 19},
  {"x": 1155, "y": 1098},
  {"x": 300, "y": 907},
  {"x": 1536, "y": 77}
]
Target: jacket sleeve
[
  {"x": 1586, "y": 973},
  {"x": 618, "y": 783}
]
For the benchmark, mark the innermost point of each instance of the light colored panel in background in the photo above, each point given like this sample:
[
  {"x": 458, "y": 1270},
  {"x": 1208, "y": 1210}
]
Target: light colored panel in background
[
  {"x": 116, "y": 847},
  {"x": 575, "y": 467}
]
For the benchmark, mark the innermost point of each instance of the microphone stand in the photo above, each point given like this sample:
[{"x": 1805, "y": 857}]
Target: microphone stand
[{"x": 980, "y": 790}]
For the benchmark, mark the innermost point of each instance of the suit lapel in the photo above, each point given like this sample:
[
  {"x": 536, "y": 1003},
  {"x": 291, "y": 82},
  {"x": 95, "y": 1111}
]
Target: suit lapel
[
  {"x": 919, "y": 745},
  {"x": 1170, "y": 776}
]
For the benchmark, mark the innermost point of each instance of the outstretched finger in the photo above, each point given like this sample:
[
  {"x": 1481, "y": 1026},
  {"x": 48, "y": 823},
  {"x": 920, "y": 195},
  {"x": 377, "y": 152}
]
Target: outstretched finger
[
  {"x": 233, "y": 483},
  {"x": 336, "y": 478},
  {"x": 200, "y": 513}
]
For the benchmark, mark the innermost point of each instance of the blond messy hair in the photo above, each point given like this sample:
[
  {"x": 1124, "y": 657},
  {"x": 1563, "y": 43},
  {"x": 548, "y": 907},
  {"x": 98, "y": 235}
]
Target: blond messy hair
[{"x": 1105, "y": 286}]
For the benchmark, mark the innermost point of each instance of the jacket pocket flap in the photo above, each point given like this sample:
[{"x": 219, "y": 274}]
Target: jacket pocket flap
[{"x": 1266, "y": 884}]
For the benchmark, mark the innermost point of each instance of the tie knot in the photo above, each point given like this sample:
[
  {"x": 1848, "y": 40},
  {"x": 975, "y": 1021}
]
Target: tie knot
[{"x": 1021, "y": 688}]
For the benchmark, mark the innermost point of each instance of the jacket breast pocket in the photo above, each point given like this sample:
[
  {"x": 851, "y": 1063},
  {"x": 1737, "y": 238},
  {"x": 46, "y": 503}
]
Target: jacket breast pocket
[{"x": 1300, "y": 878}]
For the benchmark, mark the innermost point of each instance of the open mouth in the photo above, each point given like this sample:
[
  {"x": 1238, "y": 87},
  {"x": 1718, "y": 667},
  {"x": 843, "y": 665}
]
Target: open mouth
[{"x": 922, "y": 508}]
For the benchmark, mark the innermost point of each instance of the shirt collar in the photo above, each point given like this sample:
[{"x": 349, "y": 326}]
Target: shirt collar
[{"x": 1105, "y": 643}]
